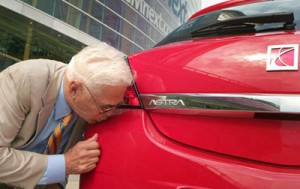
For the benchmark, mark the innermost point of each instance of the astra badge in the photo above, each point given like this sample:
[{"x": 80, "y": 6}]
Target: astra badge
[
  {"x": 282, "y": 57},
  {"x": 167, "y": 102}
]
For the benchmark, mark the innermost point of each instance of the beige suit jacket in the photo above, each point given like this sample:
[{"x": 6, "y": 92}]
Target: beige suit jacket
[{"x": 28, "y": 91}]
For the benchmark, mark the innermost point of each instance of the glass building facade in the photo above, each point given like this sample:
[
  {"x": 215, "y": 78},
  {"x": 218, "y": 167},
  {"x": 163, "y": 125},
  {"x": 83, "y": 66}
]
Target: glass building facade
[{"x": 57, "y": 29}]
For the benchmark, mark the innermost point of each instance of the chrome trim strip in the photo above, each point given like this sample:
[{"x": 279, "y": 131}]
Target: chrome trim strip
[{"x": 224, "y": 102}]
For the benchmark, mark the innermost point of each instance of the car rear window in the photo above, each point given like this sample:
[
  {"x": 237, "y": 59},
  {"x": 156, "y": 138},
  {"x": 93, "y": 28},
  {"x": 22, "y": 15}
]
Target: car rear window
[{"x": 267, "y": 7}]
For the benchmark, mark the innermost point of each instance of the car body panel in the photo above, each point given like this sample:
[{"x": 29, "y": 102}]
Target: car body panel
[
  {"x": 214, "y": 65},
  {"x": 217, "y": 111},
  {"x": 210, "y": 67},
  {"x": 270, "y": 141},
  {"x": 137, "y": 155}
]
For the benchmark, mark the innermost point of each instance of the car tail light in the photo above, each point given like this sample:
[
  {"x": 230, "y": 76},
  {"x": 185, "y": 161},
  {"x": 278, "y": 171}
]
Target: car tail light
[{"x": 132, "y": 99}]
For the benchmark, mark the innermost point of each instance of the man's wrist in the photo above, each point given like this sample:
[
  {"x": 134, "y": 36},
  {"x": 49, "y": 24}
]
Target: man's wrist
[{"x": 55, "y": 171}]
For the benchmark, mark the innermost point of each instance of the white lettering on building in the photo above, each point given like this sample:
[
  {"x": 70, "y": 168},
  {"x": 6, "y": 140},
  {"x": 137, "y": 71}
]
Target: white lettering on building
[{"x": 150, "y": 14}]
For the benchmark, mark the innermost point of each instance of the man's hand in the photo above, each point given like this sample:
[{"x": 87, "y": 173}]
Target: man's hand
[{"x": 83, "y": 157}]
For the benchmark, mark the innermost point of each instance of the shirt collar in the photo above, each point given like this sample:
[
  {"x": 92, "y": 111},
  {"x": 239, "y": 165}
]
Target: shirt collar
[{"x": 61, "y": 107}]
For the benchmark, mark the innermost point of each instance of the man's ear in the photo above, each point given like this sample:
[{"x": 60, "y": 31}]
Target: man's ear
[{"x": 73, "y": 88}]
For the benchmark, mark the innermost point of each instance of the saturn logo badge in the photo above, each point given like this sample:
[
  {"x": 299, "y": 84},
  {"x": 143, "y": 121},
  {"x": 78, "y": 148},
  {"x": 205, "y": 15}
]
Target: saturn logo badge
[{"x": 282, "y": 57}]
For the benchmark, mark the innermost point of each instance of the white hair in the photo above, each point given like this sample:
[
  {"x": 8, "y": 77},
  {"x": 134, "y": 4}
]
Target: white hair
[{"x": 99, "y": 65}]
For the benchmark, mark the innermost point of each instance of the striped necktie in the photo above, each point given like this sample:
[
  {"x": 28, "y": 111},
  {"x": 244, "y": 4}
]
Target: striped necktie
[{"x": 55, "y": 138}]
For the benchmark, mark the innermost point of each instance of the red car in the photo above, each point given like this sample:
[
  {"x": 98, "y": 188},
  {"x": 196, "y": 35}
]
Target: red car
[{"x": 216, "y": 104}]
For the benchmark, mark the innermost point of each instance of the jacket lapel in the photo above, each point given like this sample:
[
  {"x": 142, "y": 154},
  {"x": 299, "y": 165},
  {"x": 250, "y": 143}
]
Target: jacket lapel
[{"x": 49, "y": 98}]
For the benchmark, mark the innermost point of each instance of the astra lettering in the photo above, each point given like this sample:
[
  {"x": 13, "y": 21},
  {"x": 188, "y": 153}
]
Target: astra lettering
[{"x": 167, "y": 102}]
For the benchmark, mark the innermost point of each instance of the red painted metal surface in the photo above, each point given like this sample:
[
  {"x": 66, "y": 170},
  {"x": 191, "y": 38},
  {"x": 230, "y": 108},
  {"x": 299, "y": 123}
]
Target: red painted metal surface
[
  {"x": 233, "y": 64},
  {"x": 136, "y": 155},
  {"x": 144, "y": 148},
  {"x": 216, "y": 66}
]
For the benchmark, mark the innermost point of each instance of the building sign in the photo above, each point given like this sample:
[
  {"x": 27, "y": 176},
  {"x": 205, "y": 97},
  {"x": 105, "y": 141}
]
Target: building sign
[
  {"x": 179, "y": 8},
  {"x": 150, "y": 14}
]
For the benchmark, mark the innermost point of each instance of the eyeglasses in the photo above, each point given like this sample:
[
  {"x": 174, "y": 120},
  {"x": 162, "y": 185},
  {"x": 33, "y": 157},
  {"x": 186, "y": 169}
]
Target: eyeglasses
[{"x": 102, "y": 110}]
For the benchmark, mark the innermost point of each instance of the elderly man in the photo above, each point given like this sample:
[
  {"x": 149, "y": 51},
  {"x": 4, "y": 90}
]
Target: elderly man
[{"x": 45, "y": 105}]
